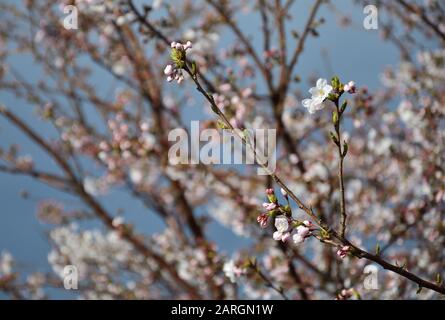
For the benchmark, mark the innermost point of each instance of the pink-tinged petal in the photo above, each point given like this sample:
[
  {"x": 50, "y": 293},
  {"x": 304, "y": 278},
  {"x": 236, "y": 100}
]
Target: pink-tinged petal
[
  {"x": 327, "y": 89},
  {"x": 303, "y": 231},
  {"x": 321, "y": 83},
  {"x": 277, "y": 235},
  {"x": 168, "y": 69},
  {"x": 297, "y": 239},
  {"x": 285, "y": 237}
]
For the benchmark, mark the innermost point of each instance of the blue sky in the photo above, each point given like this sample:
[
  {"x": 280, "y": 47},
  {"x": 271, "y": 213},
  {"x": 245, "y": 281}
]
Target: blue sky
[{"x": 354, "y": 54}]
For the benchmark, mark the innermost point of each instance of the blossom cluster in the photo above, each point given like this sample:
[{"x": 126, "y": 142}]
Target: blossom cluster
[
  {"x": 322, "y": 91},
  {"x": 174, "y": 71},
  {"x": 284, "y": 231},
  {"x": 319, "y": 95},
  {"x": 286, "y": 227},
  {"x": 111, "y": 147}
]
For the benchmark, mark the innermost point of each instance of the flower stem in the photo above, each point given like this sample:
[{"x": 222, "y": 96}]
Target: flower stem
[{"x": 341, "y": 156}]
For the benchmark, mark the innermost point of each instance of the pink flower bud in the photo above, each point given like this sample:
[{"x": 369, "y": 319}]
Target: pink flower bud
[
  {"x": 188, "y": 45},
  {"x": 350, "y": 87},
  {"x": 285, "y": 236},
  {"x": 263, "y": 220},
  {"x": 297, "y": 239},
  {"x": 269, "y": 206},
  {"x": 277, "y": 235},
  {"x": 307, "y": 223},
  {"x": 303, "y": 231},
  {"x": 168, "y": 69},
  {"x": 343, "y": 251}
]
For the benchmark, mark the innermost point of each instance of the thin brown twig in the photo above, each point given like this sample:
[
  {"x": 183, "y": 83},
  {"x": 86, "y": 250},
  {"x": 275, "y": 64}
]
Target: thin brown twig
[
  {"x": 330, "y": 234},
  {"x": 95, "y": 206},
  {"x": 341, "y": 157},
  {"x": 268, "y": 282}
]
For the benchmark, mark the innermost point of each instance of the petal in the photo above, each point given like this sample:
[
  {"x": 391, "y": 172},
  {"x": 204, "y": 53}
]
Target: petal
[
  {"x": 281, "y": 224},
  {"x": 314, "y": 91},
  {"x": 277, "y": 235},
  {"x": 168, "y": 69},
  {"x": 297, "y": 239},
  {"x": 321, "y": 83},
  {"x": 327, "y": 89},
  {"x": 306, "y": 103},
  {"x": 318, "y": 106},
  {"x": 285, "y": 237},
  {"x": 321, "y": 106}
]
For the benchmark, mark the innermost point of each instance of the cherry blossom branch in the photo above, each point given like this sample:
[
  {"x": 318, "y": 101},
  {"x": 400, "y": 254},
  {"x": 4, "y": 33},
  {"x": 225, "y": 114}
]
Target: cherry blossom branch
[
  {"x": 144, "y": 21},
  {"x": 50, "y": 179},
  {"x": 265, "y": 24},
  {"x": 342, "y": 150},
  {"x": 293, "y": 272},
  {"x": 421, "y": 14},
  {"x": 219, "y": 7},
  {"x": 301, "y": 42},
  {"x": 328, "y": 233},
  {"x": 96, "y": 207},
  {"x": 254, "y": 266},
  {"x": 279, "y": 95}
]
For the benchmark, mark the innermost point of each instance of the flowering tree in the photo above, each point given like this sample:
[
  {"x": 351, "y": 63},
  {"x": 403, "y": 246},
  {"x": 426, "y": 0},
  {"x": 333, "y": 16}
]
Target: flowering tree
[{"x": 359, "y": 180}]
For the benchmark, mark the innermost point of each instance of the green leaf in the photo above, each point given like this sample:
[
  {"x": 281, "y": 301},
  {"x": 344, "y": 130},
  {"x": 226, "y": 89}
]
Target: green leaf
[
  {"x": 419, "y": 290},
  {"x": 345, "y": 148},
  {"x": 324, "y": 234},
  {"x": 194, "y": 68},
  {"x": 333, "y": 97},
  {"x": 335, "y": 118},
  {"x": 288, "y": 210},
  {"x": 334, "y": 138},
  {"x": 178, "y": 57},
  {"x": 438, "y": 279},
  {"x": 335, "y": 82},
  {"x": 377, "y": 249},
  {"x": 272, "y": 198},
  {"x": 343, "y": 106}
]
